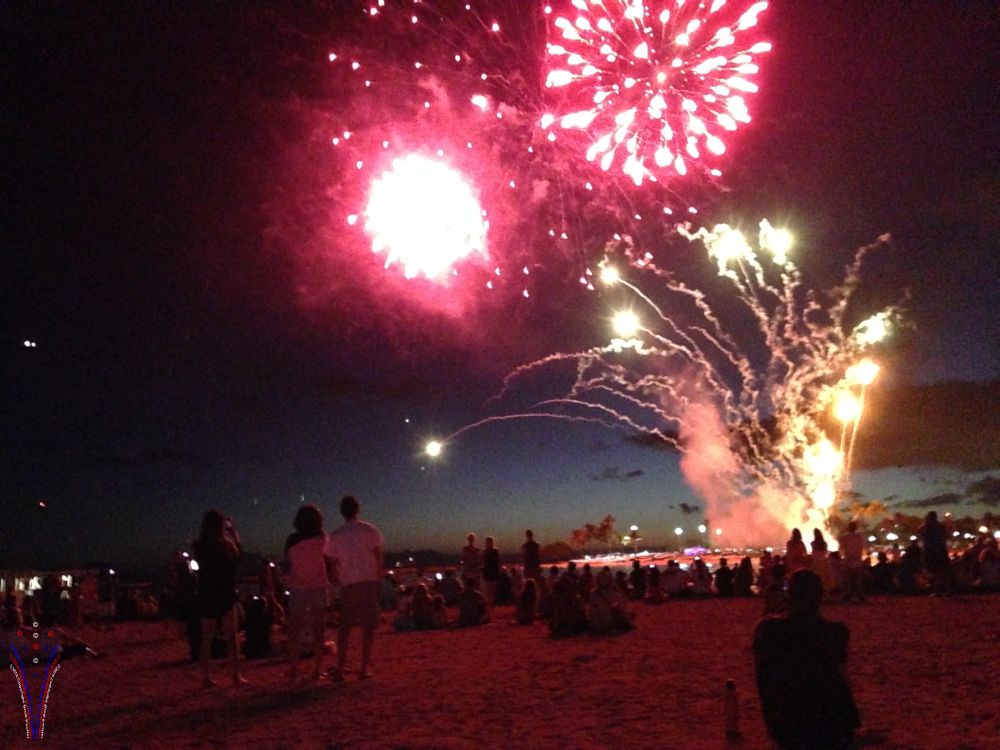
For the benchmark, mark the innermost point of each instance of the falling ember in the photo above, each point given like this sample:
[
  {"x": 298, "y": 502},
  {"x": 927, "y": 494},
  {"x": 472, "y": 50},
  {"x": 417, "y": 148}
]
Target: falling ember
[
  {"x": 424, "y": 215},
  {"x": 654, "y": 85}
]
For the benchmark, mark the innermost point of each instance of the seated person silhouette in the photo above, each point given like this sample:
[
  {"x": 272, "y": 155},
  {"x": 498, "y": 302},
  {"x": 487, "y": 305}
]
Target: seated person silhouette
[{"x": 800, "y": 659}]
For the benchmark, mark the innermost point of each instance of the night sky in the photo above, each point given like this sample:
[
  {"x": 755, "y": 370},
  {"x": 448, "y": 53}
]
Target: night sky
[{"x": 192, "y": 351}]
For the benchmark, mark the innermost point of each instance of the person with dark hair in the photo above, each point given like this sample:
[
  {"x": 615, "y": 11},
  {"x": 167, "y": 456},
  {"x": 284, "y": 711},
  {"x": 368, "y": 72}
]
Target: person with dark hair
[
  {"x": 307, "y": 584},
  {"x": 217, "y": 550},
  {"x": 567, "y": 614},
  {"x": 531, "y": 556},
  {"x": 491, "y": 571},
  {"x": 472, "y": 607},
  {"x": 800, "y": 660},
  {"x": 724, "y": 578},
  {"x": 796, "y": 557},
  {"x": 504, "y": 594},
  {"x": 355, "y": 554},
  {"x": 743, "y": 578},
  {"x": 884, "y": 575},
  {"x": 450, "y": 587},
  {"x": 933, "y": 535},
  {"x": 821, "y": 560},
  {"x": 471, "y": 558},
  {"x": 637, "y": 580},
  {"x": 776, "y": 593}
]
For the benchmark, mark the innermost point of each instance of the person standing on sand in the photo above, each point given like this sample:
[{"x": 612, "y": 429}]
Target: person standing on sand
[
  {"x": 307, "y": 582},
  {"x": 491, "y": 571},
  {"x": 796, "y": 557},
  {"x": 933, "y": 535},
  {"x": 531, "y": 555},
  {"x": 472, "y": 560},
  {"x": 217, "y": 550},
  {"x": 852, "y": 547},
  {"x": 799, "y": 663},
  {"x": 355, "y": 556}
]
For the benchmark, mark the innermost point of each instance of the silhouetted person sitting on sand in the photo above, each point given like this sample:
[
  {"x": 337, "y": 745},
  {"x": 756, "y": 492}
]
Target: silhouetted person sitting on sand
[
  {"x": 724, "y": 578},
  {"x": 608, "y": 607},
  {"x": 800, "y": 659},
  {"x": 472, "y": 609},
  {"x": 524, "y": 614},
  {"x": 568, "y": 615},
  {"x": 776, "y": 594}
]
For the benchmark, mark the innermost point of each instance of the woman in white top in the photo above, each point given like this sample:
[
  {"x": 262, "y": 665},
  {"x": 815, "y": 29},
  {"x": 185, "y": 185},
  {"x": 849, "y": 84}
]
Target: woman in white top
[{"x": 307, "y": 583}]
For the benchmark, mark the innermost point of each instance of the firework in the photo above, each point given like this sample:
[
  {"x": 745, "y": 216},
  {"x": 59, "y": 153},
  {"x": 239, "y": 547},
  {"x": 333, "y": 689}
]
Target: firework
[
  {"x": 468, "y": 81},
  {"x": 655, "y": 86},
  {"x": 424, "y": 215},
  {"x": 751, "y": 431}
]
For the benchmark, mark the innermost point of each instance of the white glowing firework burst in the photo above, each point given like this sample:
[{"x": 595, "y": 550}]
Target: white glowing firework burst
[
  {"x": 751, "y": 428},
  {"x": 655, "y": 85},
  {"x": 423, "y": 214}
]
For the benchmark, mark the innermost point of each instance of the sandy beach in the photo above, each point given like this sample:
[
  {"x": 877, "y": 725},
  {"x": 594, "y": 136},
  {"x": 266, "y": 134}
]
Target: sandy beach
[{"x": 924, "y": 672}]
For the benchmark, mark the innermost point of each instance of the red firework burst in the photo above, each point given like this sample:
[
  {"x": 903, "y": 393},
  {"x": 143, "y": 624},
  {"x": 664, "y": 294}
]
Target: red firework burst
[{"x": 654, "y": 85}]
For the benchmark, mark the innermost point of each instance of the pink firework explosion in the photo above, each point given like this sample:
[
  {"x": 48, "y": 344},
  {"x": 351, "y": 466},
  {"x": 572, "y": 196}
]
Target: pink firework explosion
[{"x": 654, "y": 85}]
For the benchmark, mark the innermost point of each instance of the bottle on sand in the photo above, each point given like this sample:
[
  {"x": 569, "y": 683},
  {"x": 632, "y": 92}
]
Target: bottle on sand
[{"x": 731, "y": 711}]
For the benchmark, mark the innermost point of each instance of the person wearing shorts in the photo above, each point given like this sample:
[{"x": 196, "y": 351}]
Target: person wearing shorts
[
  {"x": 354, "y": 551},
  {"x": 307, "y": 581}
]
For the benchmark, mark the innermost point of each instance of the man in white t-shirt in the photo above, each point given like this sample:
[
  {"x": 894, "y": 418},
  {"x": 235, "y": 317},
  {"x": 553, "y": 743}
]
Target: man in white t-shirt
[
  {"x": 852, "y": 548},
  {"x": 355, "y": 554}
]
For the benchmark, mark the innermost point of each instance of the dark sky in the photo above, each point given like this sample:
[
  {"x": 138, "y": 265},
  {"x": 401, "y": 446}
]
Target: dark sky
[{"x": 179, "y": 367}]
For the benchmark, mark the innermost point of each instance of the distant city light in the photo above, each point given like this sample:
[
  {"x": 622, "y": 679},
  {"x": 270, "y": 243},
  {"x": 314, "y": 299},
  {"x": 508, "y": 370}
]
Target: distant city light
[
  {"x": 678, "y": 531},
  {"x": 702, "y": 528}
]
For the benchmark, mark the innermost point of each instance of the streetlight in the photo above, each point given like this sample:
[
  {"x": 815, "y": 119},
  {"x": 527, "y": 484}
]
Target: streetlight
[{"x": 635, "y": 539}]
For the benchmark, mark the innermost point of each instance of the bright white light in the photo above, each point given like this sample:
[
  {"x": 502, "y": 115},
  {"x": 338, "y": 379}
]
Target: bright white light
[
  {"x": 433, "y": 449},
  {"x": 863, "y": 373},
  {"x": 610, "y": 275},
  {"x": 626, "y": 323},
  {"x": 633, "y": 528},
  {"x": 846, "y": 407},
  {"x": 678, "y": 531},
  {"x": 718, "y": 532},
  {"x": 423, "y": 214},
  {"x": 702, "y": 528},
  {"x": 891, "y": 536},
  {"x": 873, "y": 330}
]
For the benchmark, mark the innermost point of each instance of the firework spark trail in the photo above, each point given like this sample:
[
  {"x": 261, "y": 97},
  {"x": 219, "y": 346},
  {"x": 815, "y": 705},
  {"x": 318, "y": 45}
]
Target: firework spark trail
[
  {"x": 660, "y": 79},
  {"x": 752, "y": 437}
]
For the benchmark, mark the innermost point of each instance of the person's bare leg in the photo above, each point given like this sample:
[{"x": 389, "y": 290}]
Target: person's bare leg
[
  {"x": 367, "y": 641},
  {"x": 205, "y": 652},
  {"x": 294, "y": 637},
  {"x": 233, "y": 619},
  {"x": 317, "y": 616},
  {"x": 343, "y": 637}
]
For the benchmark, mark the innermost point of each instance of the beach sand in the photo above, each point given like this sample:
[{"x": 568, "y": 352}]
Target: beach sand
[{"x": 924, "y": 672}]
